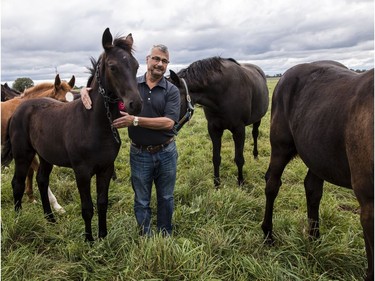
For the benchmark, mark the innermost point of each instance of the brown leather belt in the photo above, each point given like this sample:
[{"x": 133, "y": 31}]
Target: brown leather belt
[{"x": 153, "y": 148}]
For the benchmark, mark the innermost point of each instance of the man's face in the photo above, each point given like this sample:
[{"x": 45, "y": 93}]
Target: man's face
[{"x": 157, "y": 63}]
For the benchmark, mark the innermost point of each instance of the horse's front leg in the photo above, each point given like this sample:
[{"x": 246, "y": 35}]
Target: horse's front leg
[
  {"x": 215, "y": 135},
  {"x": 102, "y": 186},
  {"x": 255, "y": 133},
  {"x": 239, "y": 142},
  {"x": 83, "y": 180},
  {"x": 42, "y": 179},
  {"x": 314, "y": 192}
]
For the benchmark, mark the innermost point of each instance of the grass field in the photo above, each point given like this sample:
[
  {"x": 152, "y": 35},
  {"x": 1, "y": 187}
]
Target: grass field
[{"x": 217, "y": 234}]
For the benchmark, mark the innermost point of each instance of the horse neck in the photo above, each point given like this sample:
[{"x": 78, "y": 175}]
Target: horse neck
[
  {"x": 101, "y": 109},
  {"x": 42, "y": 90},
  {"x": 202, "y": 94}
]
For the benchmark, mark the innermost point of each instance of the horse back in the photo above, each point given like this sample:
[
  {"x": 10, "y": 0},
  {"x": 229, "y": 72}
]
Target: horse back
[
  {"x": 314, "y": 108},
  {"x": 246, "y": 92}
]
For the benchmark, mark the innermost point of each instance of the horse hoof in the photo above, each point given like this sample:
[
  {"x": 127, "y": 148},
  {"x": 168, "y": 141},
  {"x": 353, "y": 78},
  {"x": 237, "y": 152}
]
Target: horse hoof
[{"x": 60, "y": 210}]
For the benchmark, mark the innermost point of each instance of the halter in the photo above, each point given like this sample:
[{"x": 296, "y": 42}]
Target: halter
[
  {"x": 107, "y": 100},
  {"x": 189, "y": 110}
]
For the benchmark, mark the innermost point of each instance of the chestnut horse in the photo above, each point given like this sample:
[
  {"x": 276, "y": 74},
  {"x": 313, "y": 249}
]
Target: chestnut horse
[
  {"x": 83, "y": 140},
  {"x": 324, "y": 112},
  {"x": 233, "y": 96},
  {"x": 59, "y": 90}
]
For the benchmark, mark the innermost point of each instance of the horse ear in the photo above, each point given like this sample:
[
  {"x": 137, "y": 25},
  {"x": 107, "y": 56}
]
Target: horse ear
[
  {"x": 129, "y": 40},
  {"x": 57, "y": 80},
  {"x": 175, "y": 78},
  {"x": 107, "y": 39},
  {"x": 72, "y": 81}
]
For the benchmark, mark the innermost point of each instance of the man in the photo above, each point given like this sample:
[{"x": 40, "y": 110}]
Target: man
[{"x": 153, "y": 152}]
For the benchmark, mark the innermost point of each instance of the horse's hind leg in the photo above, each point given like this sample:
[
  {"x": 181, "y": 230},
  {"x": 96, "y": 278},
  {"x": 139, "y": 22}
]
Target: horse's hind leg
[
  {"x": 29, "y": 180},
  {"x": 42, "y": 179},
  {"x": 239, "y": 142},
  {"x": 363, "y": 186},
  {"x": 314, "y": 192},
  {"x": 18, "y": 182},
  {"x": 255, "y": 133},
  {"x": 280, "y": 157}
]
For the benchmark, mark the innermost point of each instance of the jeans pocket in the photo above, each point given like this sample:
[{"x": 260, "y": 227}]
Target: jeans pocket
[{"x": 134, "y": 150}]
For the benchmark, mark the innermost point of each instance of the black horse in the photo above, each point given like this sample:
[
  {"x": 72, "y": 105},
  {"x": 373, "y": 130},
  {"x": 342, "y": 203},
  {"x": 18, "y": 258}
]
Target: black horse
[
  {"x": 68, "y": 135},
  {"x": 8, "y": 93},
  {"x": 233, "y": 96},
  {"x": 324, "y": 112}
]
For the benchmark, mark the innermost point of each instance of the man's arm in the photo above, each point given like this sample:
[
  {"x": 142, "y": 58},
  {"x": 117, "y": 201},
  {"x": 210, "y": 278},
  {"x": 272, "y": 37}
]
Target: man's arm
[{"x": 155, "y": 123}]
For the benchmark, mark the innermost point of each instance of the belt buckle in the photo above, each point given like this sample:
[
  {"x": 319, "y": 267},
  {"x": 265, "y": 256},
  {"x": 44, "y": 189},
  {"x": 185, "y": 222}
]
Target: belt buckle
[{"x": 149, "y": 148}]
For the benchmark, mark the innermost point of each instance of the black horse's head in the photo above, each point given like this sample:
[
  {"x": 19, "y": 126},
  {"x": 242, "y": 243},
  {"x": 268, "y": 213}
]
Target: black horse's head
[{"x": 118, "y": 70}]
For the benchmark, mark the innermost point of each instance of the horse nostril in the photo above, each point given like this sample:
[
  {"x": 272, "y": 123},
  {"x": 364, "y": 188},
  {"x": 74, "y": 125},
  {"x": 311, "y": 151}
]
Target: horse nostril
[{"x": 134, "y": 107}]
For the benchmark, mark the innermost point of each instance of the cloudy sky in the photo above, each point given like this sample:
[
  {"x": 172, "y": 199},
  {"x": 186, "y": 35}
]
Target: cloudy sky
[{"x": 42, "y": 37}]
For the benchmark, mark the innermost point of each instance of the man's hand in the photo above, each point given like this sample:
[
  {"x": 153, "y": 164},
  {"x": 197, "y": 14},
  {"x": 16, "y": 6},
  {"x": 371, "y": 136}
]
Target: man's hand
[
  {"x": 85, "y": 97},
  {"x": 125, "y": 120}
]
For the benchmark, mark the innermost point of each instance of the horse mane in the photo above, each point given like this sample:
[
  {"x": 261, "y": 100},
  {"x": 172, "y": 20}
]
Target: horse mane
[
  {"x": 199, "y": 72},
  {"x": 38, "y": 90}
]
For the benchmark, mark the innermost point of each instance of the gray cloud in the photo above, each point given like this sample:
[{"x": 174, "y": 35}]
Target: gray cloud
[{"x": 41, "y": 37}]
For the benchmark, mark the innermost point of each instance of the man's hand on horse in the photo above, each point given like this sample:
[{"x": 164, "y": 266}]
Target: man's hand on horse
[{"x": 85, "y": 97}]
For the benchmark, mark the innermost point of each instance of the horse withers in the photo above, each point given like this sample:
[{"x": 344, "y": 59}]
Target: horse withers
[
  {"x": 82, "y": 139},
  {"x": 324, "y": 112},
  {"x": 233, "y": 95}
]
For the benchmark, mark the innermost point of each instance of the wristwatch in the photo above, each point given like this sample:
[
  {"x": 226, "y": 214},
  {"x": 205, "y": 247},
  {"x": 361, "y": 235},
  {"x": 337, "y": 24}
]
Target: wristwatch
[{"x": 135, "y": 121}]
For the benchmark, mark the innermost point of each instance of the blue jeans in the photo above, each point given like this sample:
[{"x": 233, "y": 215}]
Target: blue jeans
[{"x": 160, "y": 168}]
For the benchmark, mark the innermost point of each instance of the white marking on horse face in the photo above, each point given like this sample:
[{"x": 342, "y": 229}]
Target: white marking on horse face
[{"x": 69, "y": 97}]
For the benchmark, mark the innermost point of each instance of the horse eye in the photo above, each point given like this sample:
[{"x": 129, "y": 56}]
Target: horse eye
[{"x": 112, "y": 67}]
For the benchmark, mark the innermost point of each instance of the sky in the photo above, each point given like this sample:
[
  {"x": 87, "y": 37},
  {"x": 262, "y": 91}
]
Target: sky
[{"x": 40, "y": 38}]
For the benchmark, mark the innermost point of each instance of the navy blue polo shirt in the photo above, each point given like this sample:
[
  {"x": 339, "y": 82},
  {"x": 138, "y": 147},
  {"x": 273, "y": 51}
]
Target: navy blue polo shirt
[{"x": 162, "y": 101}]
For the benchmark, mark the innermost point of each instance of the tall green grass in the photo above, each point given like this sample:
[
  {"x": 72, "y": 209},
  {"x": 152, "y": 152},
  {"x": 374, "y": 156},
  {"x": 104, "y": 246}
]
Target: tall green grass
[{"x": 217, "y": 234}]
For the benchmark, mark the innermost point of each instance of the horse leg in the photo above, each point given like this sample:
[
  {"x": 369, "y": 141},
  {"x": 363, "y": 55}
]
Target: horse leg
[
  {"x": 280, "y": 157},
  {"x": 19, "y": 177},
  {"x": 255, "y": 133},
  {"x": 102, "y": 186},
  {"x": 215, "y": 135},
  {"x": 54, "y": 203},
  {"x": 83, "y": 180},
  {"x": 239, "y": 142},
  {"x": 29, "y": 185},
  {"x": 42, "y": 178},
  {"x": 314, "y": 192},
  {"x": 29, "y": 180},
  {"x": 364, "y": 191}
]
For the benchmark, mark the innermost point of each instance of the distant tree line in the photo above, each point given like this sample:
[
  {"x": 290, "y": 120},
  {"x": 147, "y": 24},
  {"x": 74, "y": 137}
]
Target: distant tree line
[{"x": 21, "y": 84}]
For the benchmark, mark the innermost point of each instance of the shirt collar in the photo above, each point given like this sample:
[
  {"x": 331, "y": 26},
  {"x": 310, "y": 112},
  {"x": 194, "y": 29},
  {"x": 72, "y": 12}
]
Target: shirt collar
[{"x": 162, "y": 83}]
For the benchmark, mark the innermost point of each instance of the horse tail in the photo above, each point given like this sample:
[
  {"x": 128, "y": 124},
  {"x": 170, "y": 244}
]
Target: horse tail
[{"x": 6, "y": 149}]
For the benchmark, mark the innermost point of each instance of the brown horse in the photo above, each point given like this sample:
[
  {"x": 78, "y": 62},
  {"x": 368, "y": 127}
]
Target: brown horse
[
  {"x": 324, "y": 112},
  {"x": 233, "y": 96},
  {"x": 83, "y": 140},
  {"x": 59, "y": 90},
  {"x": 8, "y": 93}
]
